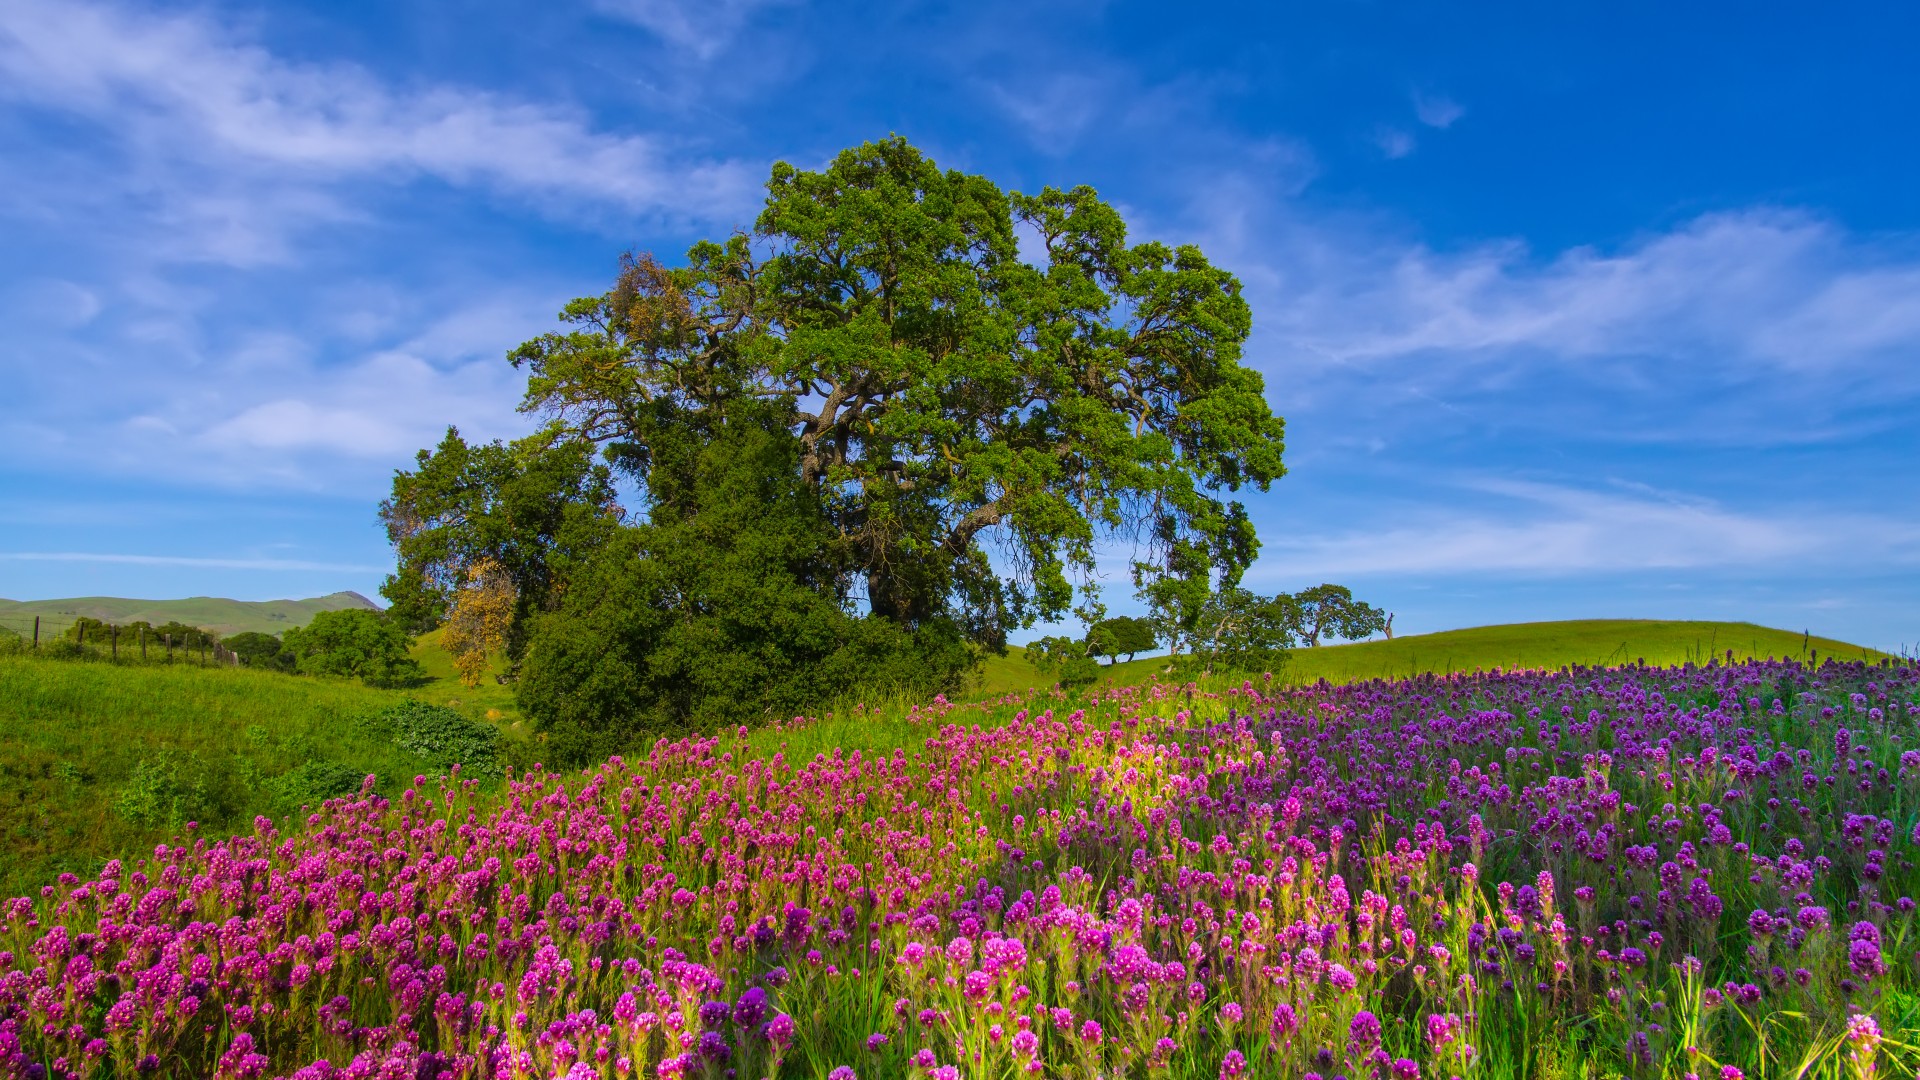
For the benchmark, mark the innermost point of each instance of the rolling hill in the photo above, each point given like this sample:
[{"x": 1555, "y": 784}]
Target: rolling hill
[
  {"x": 1605, "y": 642},
  {"x": 212, "y": 613}
]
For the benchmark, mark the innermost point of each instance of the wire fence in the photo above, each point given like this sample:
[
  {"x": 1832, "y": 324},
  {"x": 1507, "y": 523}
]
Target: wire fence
[{"x": 128, "y": 644}]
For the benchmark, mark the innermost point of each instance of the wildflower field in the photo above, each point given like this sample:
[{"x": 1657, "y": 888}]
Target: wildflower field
[{"x": 1639, "y": 872}]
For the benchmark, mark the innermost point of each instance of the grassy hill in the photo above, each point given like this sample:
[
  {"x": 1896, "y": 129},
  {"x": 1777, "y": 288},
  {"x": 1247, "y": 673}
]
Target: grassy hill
[
  {"x": 79, "y": 738},
  {"x": 1514, "y": 645},
  {"x": 224, "y": 617}
]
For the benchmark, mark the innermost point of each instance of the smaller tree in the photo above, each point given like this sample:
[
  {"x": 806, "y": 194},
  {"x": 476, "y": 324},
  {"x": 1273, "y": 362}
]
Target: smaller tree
[
  {"x": 1239, "y": 630},
  {"x": 1331, "y": 611},
  {"x": 1122, "y": 635},
  {"x": 479, "y": 619},
  {"x": 182, "y": 635},
  {"x": 1065, "y": 659},
  {"x": 87, "y": 628},
  {"x": 356, "y": 643},
  {"x": 259, "y": 650}
]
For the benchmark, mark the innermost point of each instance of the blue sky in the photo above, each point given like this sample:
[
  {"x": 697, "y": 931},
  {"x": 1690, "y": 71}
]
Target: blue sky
[{"x": 1573, "y": 310}]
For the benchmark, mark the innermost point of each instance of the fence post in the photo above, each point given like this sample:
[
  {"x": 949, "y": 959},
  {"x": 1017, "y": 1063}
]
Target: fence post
[
  {"x": 143, "y": 644},
  {"x": 115, "y": 636},
  {"x": 36, "y": 632}
]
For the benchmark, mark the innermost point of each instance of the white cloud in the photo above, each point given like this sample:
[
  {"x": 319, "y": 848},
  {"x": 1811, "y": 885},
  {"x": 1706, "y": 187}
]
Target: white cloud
[
  {"x": 178, "y": 91},
  {"x": 1437, "y": 110},
  {"x": 1054, "y": 111},
  {"x": 50, "y": 302},
  {"x": 1394, "y": 142},
  {"x": 216, "y": 563},
  {"x": 1764, "y": 288},
  {"x": 1548, "y": 530},
  {"x": 302, "y": 407},
  {"x": 703, "y": 28}
]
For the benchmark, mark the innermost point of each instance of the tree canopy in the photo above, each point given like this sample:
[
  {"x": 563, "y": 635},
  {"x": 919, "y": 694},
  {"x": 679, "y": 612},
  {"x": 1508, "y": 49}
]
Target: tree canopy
[
  {"x": 1122, "y": 635},
  {"x": 944, "y": 392},
  {"x": 357, "y": 643},
  {"x": 1331, "y": 611},
  {"x": 958, "y": 423}
]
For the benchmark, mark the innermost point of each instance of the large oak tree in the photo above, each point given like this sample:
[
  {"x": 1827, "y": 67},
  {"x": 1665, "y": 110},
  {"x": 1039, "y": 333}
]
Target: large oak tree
[
  {"x": 953, "y": 396},
  {"x": 981, "y": 390}
]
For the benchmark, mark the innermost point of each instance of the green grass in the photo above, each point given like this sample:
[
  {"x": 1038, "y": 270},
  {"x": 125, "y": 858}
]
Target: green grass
[
  {"x": 76, "y": 735},
  {"x": 490, "y": 698},
  {"x": 1598, "y": 642},
  {"x": 1516, "y": 645},
  {"x": 223, "y": 617}
]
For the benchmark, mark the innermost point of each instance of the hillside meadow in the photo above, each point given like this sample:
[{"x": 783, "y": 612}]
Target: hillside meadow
[
  {"x": 1642, "y": 872},
  {"x": 83, "y": 743},
  {"x": 1517, "y": 646},
  {"x": 221, "y": 616},
  {"x": 220, "y": 743}
]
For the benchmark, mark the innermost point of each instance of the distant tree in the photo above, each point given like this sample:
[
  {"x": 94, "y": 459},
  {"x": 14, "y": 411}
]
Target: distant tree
[
  {"x": 361, "y": 644},
  {"x": 87, "y": 628},
  {"x": 1331, "y": 611},
  {"x": 1064, "y": 658},
  {"x": 259, "y": 650},
  {"x": 182, "y": 635},
  {"x": 1123, "y": 635},
  {"x": 1239, "y": 630}
]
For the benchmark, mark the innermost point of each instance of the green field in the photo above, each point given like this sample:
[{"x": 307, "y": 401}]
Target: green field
[
  {"x": 76, "y": 735},
  {"x": 1602, "y": 642},
  {"x": 223, "y": 617}
]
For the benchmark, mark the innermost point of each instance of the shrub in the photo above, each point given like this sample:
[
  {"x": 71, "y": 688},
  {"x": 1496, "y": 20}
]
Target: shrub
[
  {"x": 317, "y": 781},
  {"x": 11, "y": 644},
  {"x": 260, "y": 650},
  {"x": 168, "y": 788},
  {"x": 441, "y": 736},
  {"x": 357, "y": 643},
  {"x": 62, "y": 648},
  {"x": 722, "y": 616}
]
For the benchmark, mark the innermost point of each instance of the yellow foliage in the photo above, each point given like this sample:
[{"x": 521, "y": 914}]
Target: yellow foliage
[{"x": 477, "y": 624}]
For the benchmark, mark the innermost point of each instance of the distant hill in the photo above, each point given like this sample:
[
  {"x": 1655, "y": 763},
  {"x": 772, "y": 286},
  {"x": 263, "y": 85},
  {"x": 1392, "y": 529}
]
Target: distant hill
[
  {"x": 1599, "y": 642},
  {"x": 208, "y": 612}
]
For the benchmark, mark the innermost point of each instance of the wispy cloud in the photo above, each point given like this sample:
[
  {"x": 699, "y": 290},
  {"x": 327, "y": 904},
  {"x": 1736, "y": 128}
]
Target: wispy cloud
[
  {"x": 1777, "y": 287},
  {"x": 208, "y": 563},
  {"x": 308, "y": 405},
  {"x": 1549, "y": 530},
  {"x": 703, "y": 28},
  {"x": 1437, "y": 110},
  {"x": 1394, "y": 142},
  {"x": 185, "y": 98},
  {"x": 1054, "y": 111}
]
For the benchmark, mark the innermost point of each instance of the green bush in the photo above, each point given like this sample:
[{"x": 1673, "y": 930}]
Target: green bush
[
  {"x": 357, "y": 643},
  {"x": 62, "y": 648},
  {"x": 260, "y": 651},
  {"x": 441, "y": 736},
  {"x": 11, "y": 644},
  {"x": 169, "y": 789},
  {"x": 315, "y": 782}
]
